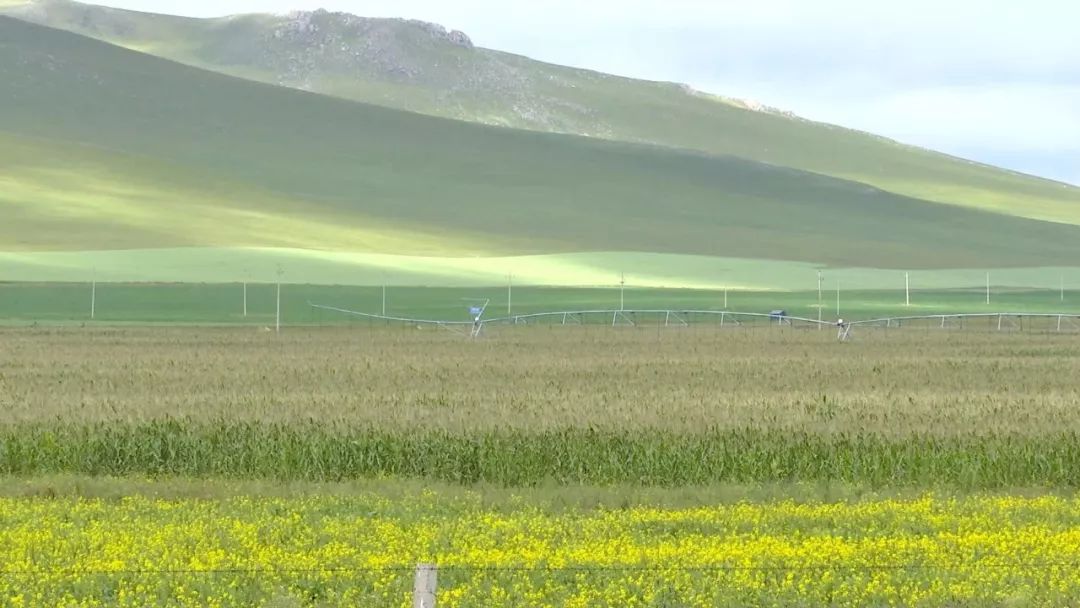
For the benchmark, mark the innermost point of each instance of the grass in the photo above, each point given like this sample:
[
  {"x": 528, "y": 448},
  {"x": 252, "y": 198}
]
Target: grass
[
  {"x": 498, "y": 88},
  {"x": 549, "y": 498},
  {"x": 192, "y": 303},
  {"x": 164, "y": 155},
  {"x": 533, "y": 407},
  {"x": 55, "y": 190},
  {"x": 232, "y": 265}
]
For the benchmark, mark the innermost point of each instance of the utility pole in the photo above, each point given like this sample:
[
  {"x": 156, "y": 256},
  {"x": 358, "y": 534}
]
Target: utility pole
[
  {"x": 837, "y": 298},
  {"x": 622, "y": 292},
  {"x": 819, "y": 304},
  {"x": 277, "y": 317},
  {"x": 93, "y": 295},
  {"x": 245, "y": 299}
]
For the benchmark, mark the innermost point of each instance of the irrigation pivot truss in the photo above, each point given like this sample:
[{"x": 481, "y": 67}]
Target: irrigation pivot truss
[
  {"x": 997, "y": 321},
  {"x": 613, "y": 317}
]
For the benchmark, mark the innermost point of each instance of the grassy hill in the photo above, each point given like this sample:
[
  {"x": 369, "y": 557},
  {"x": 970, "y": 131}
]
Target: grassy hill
[
  {"x": 108, "y": 149},
  {"x": 423, "y": 68}
]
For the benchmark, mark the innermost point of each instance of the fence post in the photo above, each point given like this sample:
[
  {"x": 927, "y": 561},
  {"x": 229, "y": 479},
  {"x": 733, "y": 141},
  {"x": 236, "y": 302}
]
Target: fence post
[{"x": 424, "y": 586}]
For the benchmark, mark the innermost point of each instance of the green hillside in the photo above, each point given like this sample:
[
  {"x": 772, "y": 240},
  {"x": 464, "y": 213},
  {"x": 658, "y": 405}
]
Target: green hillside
[
  {"x": 154, "y": 152},
  {"x": 422, "y": 67}
]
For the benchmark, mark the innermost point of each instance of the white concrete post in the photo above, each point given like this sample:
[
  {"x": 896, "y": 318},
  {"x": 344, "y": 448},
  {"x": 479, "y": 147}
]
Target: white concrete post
[{"x": 424, "y": 586}]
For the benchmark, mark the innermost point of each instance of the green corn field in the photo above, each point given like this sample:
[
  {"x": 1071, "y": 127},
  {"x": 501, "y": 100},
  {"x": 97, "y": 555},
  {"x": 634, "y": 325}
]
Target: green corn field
[{"x": 327, "y": 452}]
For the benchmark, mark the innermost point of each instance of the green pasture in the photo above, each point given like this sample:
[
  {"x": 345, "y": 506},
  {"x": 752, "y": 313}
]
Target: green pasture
[
  {"x": 205, "y": 303},
  {"x": 586, "y": 269}
]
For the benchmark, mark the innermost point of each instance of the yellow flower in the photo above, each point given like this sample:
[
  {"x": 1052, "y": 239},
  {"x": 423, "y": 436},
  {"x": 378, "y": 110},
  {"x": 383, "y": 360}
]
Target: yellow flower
[{"x": 361, "y": 551}]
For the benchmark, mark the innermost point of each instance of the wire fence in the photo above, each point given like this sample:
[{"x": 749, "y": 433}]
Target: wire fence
[
  {"x": 290, "y": 305},
  {"x": 982, "y": 564},
  {"x": 427, "y": 585}
]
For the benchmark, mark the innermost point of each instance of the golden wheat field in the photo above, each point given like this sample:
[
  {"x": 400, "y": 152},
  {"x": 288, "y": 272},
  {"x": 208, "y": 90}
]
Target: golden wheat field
[{"x": 893, "y": 383}]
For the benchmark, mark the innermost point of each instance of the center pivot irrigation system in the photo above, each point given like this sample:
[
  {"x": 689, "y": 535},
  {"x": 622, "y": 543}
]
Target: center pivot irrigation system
[{"x": 998, "y": 322}]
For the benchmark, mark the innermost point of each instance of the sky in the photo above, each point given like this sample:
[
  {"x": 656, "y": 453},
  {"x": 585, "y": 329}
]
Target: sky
[{"x": 992, "y": 80}]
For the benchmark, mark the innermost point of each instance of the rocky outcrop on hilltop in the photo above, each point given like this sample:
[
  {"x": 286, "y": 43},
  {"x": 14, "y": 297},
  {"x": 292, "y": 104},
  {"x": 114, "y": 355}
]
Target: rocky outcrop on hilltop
[
  {"x": 305, "y": 44},
  {"x": 309, "y": 47},
  {"x": 322, "y": 26},
  {"x": 746, "y": 104}
]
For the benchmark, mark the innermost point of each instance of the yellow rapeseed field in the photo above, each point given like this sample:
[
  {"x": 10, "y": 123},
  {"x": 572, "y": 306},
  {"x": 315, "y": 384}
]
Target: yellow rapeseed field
[{"x": 360, "y": 551}]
